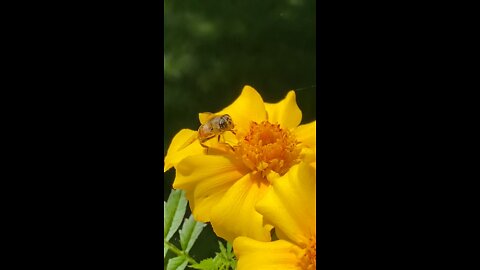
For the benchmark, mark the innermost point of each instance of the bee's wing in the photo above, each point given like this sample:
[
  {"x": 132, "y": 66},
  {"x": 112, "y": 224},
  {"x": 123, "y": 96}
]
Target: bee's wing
[
  {"x": 189, "y": 141},
  {"x": 205, "y": 116}
]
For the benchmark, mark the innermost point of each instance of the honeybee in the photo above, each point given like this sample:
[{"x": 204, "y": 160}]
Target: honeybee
[{"x": 216, "y": 125}]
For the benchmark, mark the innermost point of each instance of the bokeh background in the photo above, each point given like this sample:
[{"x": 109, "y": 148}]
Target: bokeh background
[{"x": 213, "y": 48}]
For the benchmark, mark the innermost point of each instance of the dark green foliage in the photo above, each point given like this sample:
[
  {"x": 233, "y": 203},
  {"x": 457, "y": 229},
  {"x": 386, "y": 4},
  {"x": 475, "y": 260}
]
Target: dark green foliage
[
  {"x": 190, "y": 232},
  {"x": 224, "y": 260},
  {"x": 177, "y": 263},
  {"x": 174, "y": 210}
]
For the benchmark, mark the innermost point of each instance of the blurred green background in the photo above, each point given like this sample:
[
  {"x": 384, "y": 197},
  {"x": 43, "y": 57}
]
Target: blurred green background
[{"x": 213, "y": 48}]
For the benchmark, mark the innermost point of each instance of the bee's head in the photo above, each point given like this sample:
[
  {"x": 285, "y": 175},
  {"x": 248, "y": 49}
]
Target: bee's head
[{"x": 226, "y": 122}]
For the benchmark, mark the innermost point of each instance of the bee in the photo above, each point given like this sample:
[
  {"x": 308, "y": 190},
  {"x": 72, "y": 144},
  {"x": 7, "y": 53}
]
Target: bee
[{"x": 215, "y": 126}]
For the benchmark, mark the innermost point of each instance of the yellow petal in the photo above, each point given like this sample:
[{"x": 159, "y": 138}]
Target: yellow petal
[
  {"x": 286, "y": 112},
  {"x": 289, "y": 205},
  {"x": 235, "y": 214},
  {"x": 276, "y": 255},
  {"x": 306, "y": 134},
  {"x": 309, "y": 156},
  {"x": 174, "y": 156},
  {"x": 206, "y": 179},
  {"x": 246, "y": 108},
  {"x": 204, "y": 117},
  {"x": 230, "y": 138}
]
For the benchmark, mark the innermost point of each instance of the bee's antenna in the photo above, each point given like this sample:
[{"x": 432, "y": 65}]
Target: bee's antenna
[{"x": 303, "y": 88}]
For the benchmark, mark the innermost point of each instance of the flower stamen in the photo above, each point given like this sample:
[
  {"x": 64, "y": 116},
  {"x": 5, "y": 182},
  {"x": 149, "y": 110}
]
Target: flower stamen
[
  {"x": 267, "y": 147},
  {"x": 309, "y": 258}
]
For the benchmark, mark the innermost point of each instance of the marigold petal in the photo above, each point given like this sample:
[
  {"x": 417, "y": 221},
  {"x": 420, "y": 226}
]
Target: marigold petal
[
  {"x": 289, "y": 205},
  {"x": 230, "y": 138},
  {"x": 204, "y": 117},
  {"x": 247, "y": 107},
  {"x": 306, "y": 134},
  {"x": 286, "y": 112},
  {"x": 206, "y": 179},
  {"x": 309, "y": 156},
  {"x": 235, "y": 214},
  {"x": 174, "y": 155},
  {"x": 276, "y": 255}
]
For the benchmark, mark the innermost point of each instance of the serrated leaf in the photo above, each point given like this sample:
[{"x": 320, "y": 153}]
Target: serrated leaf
[
  {"x": 218, "y": 262},
  {"x": 225, "y": 258},
  {"x": 229, "y": 248},
  {"x": 174, "y": 212},
  {"x": 177, "y": 263},
  {"x": 189, "y": 233},
  {"x": 222, "y": 249},
  {"x": 207, "y": 264},
  {"x": 230, "y": 254}
]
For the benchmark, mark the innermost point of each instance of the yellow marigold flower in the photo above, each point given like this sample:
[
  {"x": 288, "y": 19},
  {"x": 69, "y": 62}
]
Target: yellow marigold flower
[
  {"x": 223, "y": 184},
  {"x": 290, "y": 207}
]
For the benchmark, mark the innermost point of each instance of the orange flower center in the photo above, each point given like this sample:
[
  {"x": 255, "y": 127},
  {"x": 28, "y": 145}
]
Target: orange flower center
[
  {"x": 267, "y": 147},
  {"x": 309, "y": 258}
]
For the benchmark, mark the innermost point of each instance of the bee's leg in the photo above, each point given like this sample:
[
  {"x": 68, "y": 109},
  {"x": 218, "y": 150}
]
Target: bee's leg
[
  {"x": 218, "y": 140},
  {"x": 231, "y": 147},
  {"x": 234, "y": 133},
  {"x": 225, "y": 143},
  {"x": 204, "y": 146}
]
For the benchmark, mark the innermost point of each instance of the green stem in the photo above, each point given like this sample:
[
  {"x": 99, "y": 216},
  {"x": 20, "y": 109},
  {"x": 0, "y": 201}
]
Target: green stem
[{"x": 179, "y": 252}]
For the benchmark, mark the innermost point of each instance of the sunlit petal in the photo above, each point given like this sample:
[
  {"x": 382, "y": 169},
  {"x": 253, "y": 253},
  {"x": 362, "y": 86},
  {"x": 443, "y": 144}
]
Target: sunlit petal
[
  {"x": 247, "y": 107},
  {"x": 286, "y": 112},
  {"x": 276, "y": 255},
  {"x": 235, "y": 214},
  {"x": 306, "y": 134},
  {"x": 205, "y": 116},
  {"x": 179, "y": 140},
  {"x": 206, "y": 179},
  {"x": 309, "y": 156},
  {"x": 290, "y": 206}
]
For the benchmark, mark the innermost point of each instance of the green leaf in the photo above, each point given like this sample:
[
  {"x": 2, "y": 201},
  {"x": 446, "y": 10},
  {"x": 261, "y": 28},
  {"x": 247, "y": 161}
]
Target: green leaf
[
  {"x": 207, "y": 264},
  {"x": 177, "y": 263},
  {"x": 225, "y": 259},
  {"x": 230, "y": 253},
  {"x": 189, "y": 233},
  {"x": 174, "y": 211},
  {"x": 229, "y": 248},
  {"x": 165, "y": 248},
  {"x": 222, "y": 249}
]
